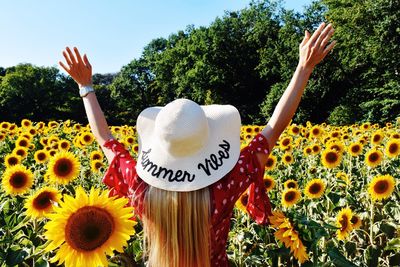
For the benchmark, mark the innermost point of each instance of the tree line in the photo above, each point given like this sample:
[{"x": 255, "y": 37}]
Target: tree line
[{"x": 245, "y": 58}]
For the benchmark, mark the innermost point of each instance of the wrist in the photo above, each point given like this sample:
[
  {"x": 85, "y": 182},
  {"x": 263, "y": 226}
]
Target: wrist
[
  {"x": 307, "y": 70},
  {"x": 85, "y": 90}
]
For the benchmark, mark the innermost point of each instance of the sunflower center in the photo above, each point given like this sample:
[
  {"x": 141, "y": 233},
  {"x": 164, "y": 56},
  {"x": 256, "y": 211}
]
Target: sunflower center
[
  {"x": 291, "y": 185},
  {"x": 20, "y": 152},
  {"x": 355, "y": 149},
  {"x": 288, "y": 158},
  {"x": 41, "y": 156},
  {"x": 267, "y": 183},
  {"x": 285, "y": 142},
  {"x": 343, "y": 223},
  {"x": 381, "y": 187},
  {"x": 23, "y": 143},
  {"x": 270, "y": 162},
  {"x": 315, "y": 188},
  {"x": 244, "y": 199},
  {"x": 331, "y": 157},
  {"x": 290, "y": 196},
  {"x": 315, "y": 132},
  {"x": 64, "y": 145},
  {"x": 12, "y": 161},
  {"x": 393, "y": 148},
  {"x": 18, "y": 180},
  {"x": 373, "y": 157},
  {"x": 354, "y": 219},
  {"x": 377, "y": 138},
  {"x": 42, "y": 201},
  {"x": 87, "y": 138},
  {"x": 63, "y": 167},
  {"x": 96, "y": 157},
  {"x": 89, "y": 228}
]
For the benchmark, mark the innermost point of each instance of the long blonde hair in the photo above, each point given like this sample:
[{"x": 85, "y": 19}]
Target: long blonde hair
[{"x": 177, "y": 228}]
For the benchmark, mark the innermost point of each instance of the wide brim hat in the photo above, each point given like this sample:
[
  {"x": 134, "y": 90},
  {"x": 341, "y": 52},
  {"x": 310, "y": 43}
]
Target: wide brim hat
[{"x": 185, "y": 147}]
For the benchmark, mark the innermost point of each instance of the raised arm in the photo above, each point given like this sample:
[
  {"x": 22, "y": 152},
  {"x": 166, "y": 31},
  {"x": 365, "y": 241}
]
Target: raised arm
[
  {"x": 312, "y": 50},
  {"x": 81, "y": 71}
]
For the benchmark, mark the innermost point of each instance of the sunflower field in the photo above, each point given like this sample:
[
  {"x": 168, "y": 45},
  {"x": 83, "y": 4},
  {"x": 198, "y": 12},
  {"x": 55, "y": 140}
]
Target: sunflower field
[{"x": 334, "y": 191}]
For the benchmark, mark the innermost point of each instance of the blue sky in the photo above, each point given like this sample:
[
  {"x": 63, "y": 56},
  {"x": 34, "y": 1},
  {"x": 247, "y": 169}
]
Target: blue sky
[{"x": 111, "y": 32}]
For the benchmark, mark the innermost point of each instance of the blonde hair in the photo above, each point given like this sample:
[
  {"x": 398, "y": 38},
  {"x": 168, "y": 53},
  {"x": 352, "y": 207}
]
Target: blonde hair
[{"x": 177, "y": 228}]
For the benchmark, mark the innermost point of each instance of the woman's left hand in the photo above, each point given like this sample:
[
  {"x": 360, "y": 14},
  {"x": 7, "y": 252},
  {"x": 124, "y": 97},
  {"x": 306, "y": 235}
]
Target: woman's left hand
[{"x": 79, "y": 68}]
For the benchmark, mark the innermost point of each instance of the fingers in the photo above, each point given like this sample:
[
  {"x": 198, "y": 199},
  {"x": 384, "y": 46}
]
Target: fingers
[
  {"x": 67, "y": 58},
  {"x": 64, "y": 67},
  {"x": 305, "y": 39},
  {"x": 328, "y": 31},
  {"x": 85, "y": 59},
  {"x": 317, "y": 33},
  {"x": 329, "y": 48},
  {"x": 327, "y": 38},
  {"x": 78, "y": 56},
  {"x": 71, "y": 56}
]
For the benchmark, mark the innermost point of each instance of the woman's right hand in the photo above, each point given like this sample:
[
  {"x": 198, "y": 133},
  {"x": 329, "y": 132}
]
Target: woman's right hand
[{"x": 79, "y": 68}]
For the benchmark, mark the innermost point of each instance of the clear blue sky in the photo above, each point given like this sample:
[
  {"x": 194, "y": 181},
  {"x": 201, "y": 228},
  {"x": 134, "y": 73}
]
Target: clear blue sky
[{"x": 111, "y": 32}]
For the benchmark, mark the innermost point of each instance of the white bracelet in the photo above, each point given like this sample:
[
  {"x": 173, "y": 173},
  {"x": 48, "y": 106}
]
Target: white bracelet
[{"x": 85, "y": 90}]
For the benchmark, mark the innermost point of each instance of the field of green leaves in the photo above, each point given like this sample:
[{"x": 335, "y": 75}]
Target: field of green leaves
[{"x": 334, "y": 191}]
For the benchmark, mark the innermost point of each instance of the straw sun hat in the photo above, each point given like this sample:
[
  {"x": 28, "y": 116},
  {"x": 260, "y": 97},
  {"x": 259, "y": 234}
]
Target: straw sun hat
[{"x": 184, "y": 146}]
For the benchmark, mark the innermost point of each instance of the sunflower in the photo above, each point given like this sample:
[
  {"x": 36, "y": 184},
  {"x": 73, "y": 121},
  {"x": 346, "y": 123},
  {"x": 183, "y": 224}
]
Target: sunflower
[
  {"x": 26, "y": 123},
  {"x": 41, "y": 156},
  {"x": 355, "y": 149},
  {"x": 287, "y": 158},
  {"x": 377, "y": 137},
  {"x": 96, "y": 155},
  {"x": 88, "y": 227},
  {"x": 314, "y": 188},
  {"x": 343, "y": 221},
  {"x": 315, "y": 149},
  {"x": 290, "y": 184},
  {"x": 22, "y": 142},
  {"x": 2, "y": 136},
  {"x": 241, "y": 203},
  {"x": 356, "y": 221},
  {"x": 135, "y": 148},
  {"x": 285, "y": 142},
  {"x": 130, "y": 139},
  {"x": 17, "y": 180},
  {"x": 11, "y": 160},
  {"x": 87, "y": 138},
  {"x": 290, "y": 197},
  {"x": 307, "y": 151},
  {"x": 336, "y": 145},
  {"x": 316, "y": 131},
  {"x": 20, "y": 151},
  {"x": 294, "y": 129},
  {"x": 331, "y": 158},
  {"x": 373, "y": 158},
  {"x": 41, "y": 203},
  {"x": 271, "y": 162},
  {"x": 366, "y": 126},
  {"x": 4, "y": 125},
  {"x": 381, "y": 187},
  {"x": 53, "y": 124},
  {"x": 96, "y": 165},
  {"x": 269, "y": 182},
  {"x": 287, "y": 235},
  {"x": 64, "y": 145},
  {"x": 63, "y": 167},
  {"x": 392, "y": 148}
]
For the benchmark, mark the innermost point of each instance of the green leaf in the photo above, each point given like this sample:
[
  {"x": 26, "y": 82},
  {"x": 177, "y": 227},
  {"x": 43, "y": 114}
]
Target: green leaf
[
  {"x": 372, "y": 256},
  {"x": 15, "y": 256},
  {"x": 338, "y": 259},
  {"x": 42, "y": 263},
  {"x": 389, "y": 229},
  {"x": 393, "y": 244}
]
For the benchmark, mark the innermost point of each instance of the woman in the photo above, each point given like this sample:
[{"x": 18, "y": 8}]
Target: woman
[{"x": 190, "y": 170}]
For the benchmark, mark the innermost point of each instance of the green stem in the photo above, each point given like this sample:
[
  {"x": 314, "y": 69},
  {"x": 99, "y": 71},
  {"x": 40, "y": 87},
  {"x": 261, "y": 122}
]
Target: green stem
[{"x": 371, "y": 232}]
